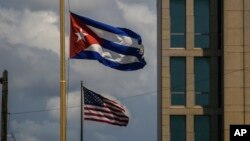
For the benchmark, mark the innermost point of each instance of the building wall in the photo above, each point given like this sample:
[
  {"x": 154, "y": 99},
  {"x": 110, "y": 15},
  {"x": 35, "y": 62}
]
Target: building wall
[
  {"x": 233, "y": 48},
  {"x": 190, "y": 110},
  {"x": 236, "y": 63},
  {"x": 247, "y": 57}
]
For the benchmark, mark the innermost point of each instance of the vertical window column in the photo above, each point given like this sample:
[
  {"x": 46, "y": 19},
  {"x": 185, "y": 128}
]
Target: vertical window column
[
  {"x": 202, "y": 128},
  {"x": 177, "y": 128},
  {"x": 202, "y": 80},
  {"x": 178, "y": 80},
  {"x": 202, "y": 23},
  {"x": 178, "y": 23}
]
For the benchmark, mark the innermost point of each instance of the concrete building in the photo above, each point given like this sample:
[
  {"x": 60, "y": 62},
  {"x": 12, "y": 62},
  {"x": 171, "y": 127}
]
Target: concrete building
[{"x": 204, "y": 69}]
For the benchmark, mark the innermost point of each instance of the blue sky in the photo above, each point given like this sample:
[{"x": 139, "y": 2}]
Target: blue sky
[{"x": 29, "y": 49}]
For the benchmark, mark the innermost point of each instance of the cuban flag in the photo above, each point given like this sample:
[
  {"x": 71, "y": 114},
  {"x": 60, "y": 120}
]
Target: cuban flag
[{"x": 115, "y": 47}]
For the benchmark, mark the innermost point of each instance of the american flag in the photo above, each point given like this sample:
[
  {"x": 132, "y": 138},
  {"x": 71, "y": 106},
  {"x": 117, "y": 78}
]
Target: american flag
[{"x": 101, "y": 109}]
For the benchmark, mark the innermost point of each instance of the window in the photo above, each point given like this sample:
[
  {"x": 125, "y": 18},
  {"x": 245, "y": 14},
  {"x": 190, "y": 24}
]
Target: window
[
  {"x": 202, "y": 80},
  {"x": 201, "y": 13},
  {"x": 201, "y": 128},
  {"x": 178, "y": 23},
  {"x": 178, "y": 80},
  {"x": 178, "y": 128}
]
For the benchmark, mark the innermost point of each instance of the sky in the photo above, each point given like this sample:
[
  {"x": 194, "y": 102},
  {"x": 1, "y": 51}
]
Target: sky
[{"x": 29, "y": 50}]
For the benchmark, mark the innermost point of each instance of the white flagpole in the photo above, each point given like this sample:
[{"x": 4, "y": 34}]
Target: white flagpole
[{"x": 62, "y": 75}]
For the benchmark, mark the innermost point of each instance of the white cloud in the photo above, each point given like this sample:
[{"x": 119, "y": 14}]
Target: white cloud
[
  {"x": 85, "y": 4},
  {"x": 54, "y": 103},
  {"x": 30, "y": 28},
  {"x": 39, "y": 30},
  {"x": 73, "y": 105},
  {"x": 102, "y": 137},
  {"x": 32, "y": 4},
  {"x": 140, "y": 17},
  {"x": 34, "y": 131}
]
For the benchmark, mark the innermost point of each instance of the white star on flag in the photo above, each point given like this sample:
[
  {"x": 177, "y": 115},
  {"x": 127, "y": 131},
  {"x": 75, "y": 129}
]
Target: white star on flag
[{"x": 80, "y": 35}]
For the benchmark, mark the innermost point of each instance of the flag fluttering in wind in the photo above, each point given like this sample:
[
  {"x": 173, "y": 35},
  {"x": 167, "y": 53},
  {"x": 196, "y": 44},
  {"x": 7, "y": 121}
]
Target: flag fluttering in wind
[
  {"x": 101, "y": 109},
  {"x": 115, "y": 47}
]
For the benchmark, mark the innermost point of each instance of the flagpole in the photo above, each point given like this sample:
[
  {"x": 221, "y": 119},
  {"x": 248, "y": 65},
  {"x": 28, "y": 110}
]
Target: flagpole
[
  {"x": 62, "y": 75},
  {"x": 82, "y": 91}
]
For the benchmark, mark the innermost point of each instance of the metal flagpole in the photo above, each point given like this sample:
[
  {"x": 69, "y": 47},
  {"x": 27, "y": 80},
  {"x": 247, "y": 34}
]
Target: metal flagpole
[
  {"x": 62, "y": 75},
  {"x": 82, "y": 91},
  {"x": 4, "y": 117}
]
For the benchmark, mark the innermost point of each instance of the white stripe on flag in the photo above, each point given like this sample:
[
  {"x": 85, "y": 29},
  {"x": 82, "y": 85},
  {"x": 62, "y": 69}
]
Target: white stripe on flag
[
  {"x": 118, "y": 39},
  {"x": 113, "y": 104},
  {"x": 90, "y": 107},
  {"x": 111, "y": 55},
  {"x": 104, "y": 119},
  {"x": 102, "y": 114}
]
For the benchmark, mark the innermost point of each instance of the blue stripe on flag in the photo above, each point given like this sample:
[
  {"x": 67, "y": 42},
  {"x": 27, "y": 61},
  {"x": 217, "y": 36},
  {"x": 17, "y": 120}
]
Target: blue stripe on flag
[
  {"x": 116, "y": 30},
  {"x": 96, "y": 56}
]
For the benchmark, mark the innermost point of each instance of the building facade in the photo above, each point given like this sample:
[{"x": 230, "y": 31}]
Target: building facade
[{"x": 204, "y": 69}]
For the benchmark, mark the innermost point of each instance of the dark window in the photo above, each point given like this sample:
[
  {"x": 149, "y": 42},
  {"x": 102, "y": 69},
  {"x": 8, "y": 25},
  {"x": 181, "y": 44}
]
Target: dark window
[
  {"x": 201, "y": 13},
  {"x": 178, "y": 80},
  {"x": 202, "y": 80},
  {"x": 178, "y": 23},
  {"x": 202, "y": 128},
  {"x": 178, "y": 128}
]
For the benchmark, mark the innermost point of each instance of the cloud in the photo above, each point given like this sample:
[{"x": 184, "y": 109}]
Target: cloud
[
  {"x": 142, "y": 19},
  {"x": 30, "y": 130},
  {"x": 35, "y": 131},
  {"x": 141, "y": 119},
  {"x": 29, "y": 49},
  {"x": 30, "y": 28},
  {"x": 32, "y": 4},
  {"x": 54, "y": 103},
  {"x": 103, "y": 137},
  {"x": 85, "y": 4},
  {"x": 27, "y": 67},
  {"x": 73, "y": 104},
  {"x": 139, "y": 16}
]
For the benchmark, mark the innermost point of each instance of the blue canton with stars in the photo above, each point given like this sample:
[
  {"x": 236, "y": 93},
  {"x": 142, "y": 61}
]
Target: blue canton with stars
[{"x": 91, "y": 98}]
